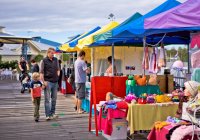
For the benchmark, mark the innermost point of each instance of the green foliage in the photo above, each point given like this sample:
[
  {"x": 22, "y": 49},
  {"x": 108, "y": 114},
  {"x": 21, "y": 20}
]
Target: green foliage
[
  {"x": 39, "y": 57},
  {"x": 65, "y": 57},
  {"x": 8, "y": 64},
  {"x": 0, "y": 58},
  {"x": 182, "y": 53}
]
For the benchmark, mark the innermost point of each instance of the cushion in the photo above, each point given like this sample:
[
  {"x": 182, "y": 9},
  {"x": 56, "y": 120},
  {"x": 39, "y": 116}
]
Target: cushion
[
  {"x": 152, "y": 80},
  {"x": 142, "y": 81}
]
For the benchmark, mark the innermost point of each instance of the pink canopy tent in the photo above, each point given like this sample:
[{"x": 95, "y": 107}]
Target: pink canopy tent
[{"x": 182, "y": 16}]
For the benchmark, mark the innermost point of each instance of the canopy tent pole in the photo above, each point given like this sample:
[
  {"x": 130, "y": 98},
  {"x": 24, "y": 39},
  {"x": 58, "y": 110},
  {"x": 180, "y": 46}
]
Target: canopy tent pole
[
  {"x": 188, "y": 51},
  {"x": 144, "y": 44},
  {"x": 24, "y": 49},
  {"x": 92, "y": 62},
  {"x": 113, "y": 50}
]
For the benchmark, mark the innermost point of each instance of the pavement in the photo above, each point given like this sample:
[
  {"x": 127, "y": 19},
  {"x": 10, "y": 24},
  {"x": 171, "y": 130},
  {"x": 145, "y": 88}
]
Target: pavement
[{"x": 17, "y": 122}]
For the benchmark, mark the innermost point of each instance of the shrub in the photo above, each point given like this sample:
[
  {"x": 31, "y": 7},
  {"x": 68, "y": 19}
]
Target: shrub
[{"x": 39, "y": 57}]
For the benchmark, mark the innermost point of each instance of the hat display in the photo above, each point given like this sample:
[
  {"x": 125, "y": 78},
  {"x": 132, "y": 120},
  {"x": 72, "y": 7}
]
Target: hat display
[{"x": 192, "y": 87}]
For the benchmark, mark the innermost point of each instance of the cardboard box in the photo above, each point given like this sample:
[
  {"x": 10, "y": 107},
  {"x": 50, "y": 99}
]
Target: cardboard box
[{"x": 119, "y": 130}]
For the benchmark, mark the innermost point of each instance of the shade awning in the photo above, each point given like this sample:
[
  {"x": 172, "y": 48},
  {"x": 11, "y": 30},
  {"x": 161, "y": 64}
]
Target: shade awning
[
  {"x": 109, "y": 34},
  {"x": 182, "y": 16},
  {"x": 75, "y": 41},
  {"x": 136, "y": 28},
  {"x": 14, "y": 39},
  {"x": 90, "y": 39}
]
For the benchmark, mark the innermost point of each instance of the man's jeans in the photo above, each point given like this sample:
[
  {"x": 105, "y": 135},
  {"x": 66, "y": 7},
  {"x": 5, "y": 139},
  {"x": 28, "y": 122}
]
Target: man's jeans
[{"x": 50, "y": 95}]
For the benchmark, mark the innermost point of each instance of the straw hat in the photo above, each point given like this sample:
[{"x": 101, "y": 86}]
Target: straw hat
[{"x": 192, "y": 87}]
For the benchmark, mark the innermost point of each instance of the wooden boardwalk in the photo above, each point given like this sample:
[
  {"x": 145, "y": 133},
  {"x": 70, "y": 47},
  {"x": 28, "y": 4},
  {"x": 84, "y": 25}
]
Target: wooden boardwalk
[{"x": 16, "y": 118}]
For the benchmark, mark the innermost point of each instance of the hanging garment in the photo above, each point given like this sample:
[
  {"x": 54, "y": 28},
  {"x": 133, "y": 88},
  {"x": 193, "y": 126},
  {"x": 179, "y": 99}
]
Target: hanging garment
[
  {"x": 153, "y": 63},
  {"x": 145, "y": 63},
  {"x": 196, "y": 75},
  {"x": 195, "y": 40},
  {"x": 195, "y": 61},
  {"x": 162, "y": 57}
]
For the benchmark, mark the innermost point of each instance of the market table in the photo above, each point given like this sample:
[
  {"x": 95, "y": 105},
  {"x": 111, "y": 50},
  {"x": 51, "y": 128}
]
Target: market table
[
  {"x": 138, "y": 90},
  {"x": 142, "y": 117}
]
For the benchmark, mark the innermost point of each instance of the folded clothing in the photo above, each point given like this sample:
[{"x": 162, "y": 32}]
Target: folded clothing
[{"x": 122, "y": 105}]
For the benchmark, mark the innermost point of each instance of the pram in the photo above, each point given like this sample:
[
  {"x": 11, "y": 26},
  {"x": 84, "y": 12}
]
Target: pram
[{"x": 25, "y": 80}]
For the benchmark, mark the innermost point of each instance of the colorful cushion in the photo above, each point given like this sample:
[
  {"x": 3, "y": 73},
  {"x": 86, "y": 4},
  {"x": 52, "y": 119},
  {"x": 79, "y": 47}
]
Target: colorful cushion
[
  {"x": 153, "y": 80},
  {"x": 142, "y": 81}
]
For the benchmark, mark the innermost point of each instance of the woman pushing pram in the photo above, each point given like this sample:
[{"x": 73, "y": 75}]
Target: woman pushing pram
[
  {"x": 24, "y": 77},
  {"x": 25, "y": 82}
]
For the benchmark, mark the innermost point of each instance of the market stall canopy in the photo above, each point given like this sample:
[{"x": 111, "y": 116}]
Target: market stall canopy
[
  {"x": 90, "y": 39},
  {"x": 109, "y": 34},
  {"x": 75, "y": 41},
  {"x": 65, "y": 46},
  {"x": 138, "y": 41},
  {"x": 72, "y": 38},
  {"x": 136, "y": 28},
  {"x": 181, "y": 18}
]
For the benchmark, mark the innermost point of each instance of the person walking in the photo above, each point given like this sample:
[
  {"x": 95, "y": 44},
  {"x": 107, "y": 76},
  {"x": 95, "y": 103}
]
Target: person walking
[
  {"x": 36, "y": 90},
  {"x": 23, "y": 65},
  {"x": 49, "y": 73},
  {"x": 24, "y": 68},
  {"x": 80, "y": 79},
  {"x": 35, "y": 67}
]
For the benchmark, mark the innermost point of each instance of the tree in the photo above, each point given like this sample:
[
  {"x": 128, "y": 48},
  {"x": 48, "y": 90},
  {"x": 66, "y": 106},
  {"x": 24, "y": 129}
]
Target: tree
[
  {"x": 39, "y": 57},
  {"x": 65, "y": 57}
]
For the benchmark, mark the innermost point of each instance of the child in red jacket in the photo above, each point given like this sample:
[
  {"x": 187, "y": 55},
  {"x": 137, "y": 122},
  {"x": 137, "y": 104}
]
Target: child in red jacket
[{"x": 36, "y": 90}]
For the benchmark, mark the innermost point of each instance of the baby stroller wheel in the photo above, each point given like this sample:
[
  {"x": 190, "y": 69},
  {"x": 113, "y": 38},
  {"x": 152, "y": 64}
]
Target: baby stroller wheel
[{"x": 22, "y": 90}]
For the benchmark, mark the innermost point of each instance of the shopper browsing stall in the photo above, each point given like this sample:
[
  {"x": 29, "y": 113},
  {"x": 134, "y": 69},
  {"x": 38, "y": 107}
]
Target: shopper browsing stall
[{"x": 80, "y": 79}]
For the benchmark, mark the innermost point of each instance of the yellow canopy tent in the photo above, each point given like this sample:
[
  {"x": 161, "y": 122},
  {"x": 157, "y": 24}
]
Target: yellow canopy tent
[
  {"x": 67, "y": 48},
  {"x": 90, "y": 38}
]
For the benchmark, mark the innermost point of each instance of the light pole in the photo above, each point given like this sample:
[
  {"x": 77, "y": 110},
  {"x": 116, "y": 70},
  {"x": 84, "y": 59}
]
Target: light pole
[{"x": 111, "y": 16}]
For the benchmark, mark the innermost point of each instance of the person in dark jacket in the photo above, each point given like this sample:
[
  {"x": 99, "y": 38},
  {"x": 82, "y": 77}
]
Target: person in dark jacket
[
  {"x": 23, "y": 66},
  {"x": 49, "y": 73},
  {"x": 35, "y": 67}
]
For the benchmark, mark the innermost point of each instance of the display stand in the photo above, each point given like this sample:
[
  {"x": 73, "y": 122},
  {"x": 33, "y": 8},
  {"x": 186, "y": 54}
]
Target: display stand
[{"x": 99, "y": 87}]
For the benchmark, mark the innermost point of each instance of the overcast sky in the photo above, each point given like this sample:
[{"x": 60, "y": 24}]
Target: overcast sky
[{"x": 59, "y": 19}]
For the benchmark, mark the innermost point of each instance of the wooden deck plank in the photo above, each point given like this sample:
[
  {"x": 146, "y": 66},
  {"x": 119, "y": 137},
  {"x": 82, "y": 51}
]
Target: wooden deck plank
[{"x": 16, "y": 118}]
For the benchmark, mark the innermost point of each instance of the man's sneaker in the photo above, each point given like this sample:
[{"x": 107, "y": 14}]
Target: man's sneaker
[
  {"x": 48, "y": 118},
  {"x": 54, "y": 116}
]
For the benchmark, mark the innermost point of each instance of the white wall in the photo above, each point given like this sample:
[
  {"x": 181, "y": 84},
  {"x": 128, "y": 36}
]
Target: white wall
[
  {"x": 129, "y": 56},
  {"x": 10, "y": 57}
]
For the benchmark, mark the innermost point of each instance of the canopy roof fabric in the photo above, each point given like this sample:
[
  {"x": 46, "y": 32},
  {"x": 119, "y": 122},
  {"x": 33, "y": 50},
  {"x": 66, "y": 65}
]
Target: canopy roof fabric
[
  {"x": 108, "y": 34},
  {"x": 76, "y": 36},
  {"x": 136, "y": 28},
  {"x": 65, "y": 46},
  {"x": 182, "y": 16},
  {"x": 75, "y": 41},
  {"x": 90, "y": 38},
  {"x": 138, "y": 41}
]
